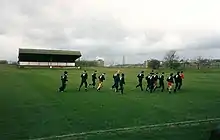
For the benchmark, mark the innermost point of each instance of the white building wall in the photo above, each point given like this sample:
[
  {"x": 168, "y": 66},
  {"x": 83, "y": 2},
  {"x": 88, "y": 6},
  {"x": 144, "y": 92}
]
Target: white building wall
[
  {"x": 54, "y": 64},
  {"x": 71, "y": 64},
  {"x": 23, "y": 63},
  {"x": 43, "y": 63},
  {"x": 33, "y": 63},
  {"x": 61, "y": 64}
]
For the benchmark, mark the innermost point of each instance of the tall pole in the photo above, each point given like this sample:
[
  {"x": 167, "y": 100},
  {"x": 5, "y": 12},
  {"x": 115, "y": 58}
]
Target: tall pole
[{"x": 123, "y": 61}]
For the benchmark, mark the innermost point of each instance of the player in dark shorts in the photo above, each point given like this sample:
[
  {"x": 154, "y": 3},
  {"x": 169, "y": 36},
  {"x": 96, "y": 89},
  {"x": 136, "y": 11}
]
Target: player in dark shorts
[
  {"x": 140, "y": 77},
  {"x": 151, "y": 82},
  {"x": 177, "y": 80},
  {"x": 84, "y": 77},
  {"x": 64, "y": 79},
  {"x": 94, "y": 77},
  {"x": 122, "y": 83},
  {"x": 148, "y": 77},
  {"x": 161, "y": 81}
]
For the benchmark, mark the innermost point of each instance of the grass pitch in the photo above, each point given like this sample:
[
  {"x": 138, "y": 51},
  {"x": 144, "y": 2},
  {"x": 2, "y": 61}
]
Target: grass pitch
[{"x": 31, "y": 107}]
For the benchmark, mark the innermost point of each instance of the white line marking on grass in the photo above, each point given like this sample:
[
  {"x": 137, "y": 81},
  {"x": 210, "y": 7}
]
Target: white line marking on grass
[{"x": 145, "y": 127}]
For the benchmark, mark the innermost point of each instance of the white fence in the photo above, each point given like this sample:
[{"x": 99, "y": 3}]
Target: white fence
[{"x": 53, "y": 64}]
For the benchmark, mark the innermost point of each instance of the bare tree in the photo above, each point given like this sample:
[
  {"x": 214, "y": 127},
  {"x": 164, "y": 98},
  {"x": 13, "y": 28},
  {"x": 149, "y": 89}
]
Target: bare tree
[
  {"x": 184, "y": 62},
  {"x": 200, "y": 61},
  {"x": 172, "y": 59}
]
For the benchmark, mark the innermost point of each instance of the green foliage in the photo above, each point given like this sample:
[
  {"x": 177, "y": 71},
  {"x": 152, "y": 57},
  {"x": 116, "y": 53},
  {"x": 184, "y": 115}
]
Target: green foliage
[
  {"x": 85, "y": 63},
  {"x": 154, "y": 64},
  {"x": 3, "y": 62},
  {"x": 175, "y": 65}
]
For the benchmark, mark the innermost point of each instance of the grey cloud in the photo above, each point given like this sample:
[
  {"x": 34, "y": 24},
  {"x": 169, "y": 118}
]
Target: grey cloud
[
  {"x": 3, "y": 31},
  {"x": 209, "y": 43},
  {"x": 106, "y": 34},
  {"x": 31, "y": 8},
  {"x": 206, "y": 42},
  {"x": 153, "y": 36},
  {"x": 51, "y": 38},
  {"x": 106, "y": 29},
  {"x": 43, "y": 23}
]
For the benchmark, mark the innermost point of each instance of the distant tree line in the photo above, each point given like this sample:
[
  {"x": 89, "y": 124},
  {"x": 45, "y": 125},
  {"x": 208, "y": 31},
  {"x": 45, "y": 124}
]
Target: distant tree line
[
  {"x": 8, "y": 62},
  {"x": 154, "y": 64},
  {"x": 3, "y": 62},
  {"x": 86, "y": 63},
  {"x": 173, "y": 61}
]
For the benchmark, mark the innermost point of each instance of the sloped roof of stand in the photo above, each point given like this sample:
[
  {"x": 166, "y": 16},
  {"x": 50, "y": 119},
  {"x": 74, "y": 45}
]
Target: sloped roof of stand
[{"x": 53, "y": 52}]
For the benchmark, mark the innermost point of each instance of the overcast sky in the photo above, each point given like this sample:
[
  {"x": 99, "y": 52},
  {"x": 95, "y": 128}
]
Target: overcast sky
[{"x": 138, "y": 29}]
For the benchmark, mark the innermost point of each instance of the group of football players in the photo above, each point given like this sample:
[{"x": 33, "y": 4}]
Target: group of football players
[
  {"x": 84, "y": 77},
  {"x": 119, "y": 81},
  {"x": 154, "y": 78}
]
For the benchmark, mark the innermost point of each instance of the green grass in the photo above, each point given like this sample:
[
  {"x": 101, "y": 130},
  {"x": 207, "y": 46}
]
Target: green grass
[{"x": 30, "y": 107}]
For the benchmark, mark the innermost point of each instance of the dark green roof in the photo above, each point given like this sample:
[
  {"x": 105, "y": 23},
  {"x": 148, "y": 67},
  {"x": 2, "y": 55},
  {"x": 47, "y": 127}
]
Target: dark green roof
[{"x": 55, "y": 52}]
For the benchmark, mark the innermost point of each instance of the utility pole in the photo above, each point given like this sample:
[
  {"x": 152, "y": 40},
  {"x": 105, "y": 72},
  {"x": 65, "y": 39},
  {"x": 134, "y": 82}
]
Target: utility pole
[{"x": 123, "y": 61}]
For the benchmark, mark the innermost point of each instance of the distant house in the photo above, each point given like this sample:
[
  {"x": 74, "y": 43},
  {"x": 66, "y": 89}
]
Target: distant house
[
  {"x": 100, "y": 63},
  {"x": 146, "y": 63},
  {"x": 216, "y": 60},
  {"x": 215, "y": 63}
]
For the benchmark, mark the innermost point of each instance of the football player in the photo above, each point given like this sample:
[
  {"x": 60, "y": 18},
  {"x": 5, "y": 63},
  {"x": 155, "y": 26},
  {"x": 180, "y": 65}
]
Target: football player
[
  {"x": 140, "y": 77},
  {"x": 64, "y": 79},
  {"x": 101, "y": 80},
  {"x": 84, "y": 77}
]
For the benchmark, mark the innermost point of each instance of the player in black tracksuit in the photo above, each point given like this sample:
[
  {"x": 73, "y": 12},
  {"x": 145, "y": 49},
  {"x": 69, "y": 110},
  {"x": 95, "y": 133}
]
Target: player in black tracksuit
[
  {"x": 116, "y": 78},
  {"x": 64, "y": 79},
  {"x": 177, "y": 79},
  {"x": 151, "y": 82},
  {"x": 161, "y": 82},
  {"x": 122, "y": 83},
  {"x": 117, "y": 81},
  {"x": 148, "y": 82},
  {"x": 155, "y": 81},
  {"x": 93, "y": 79},
  {"x": 84, "y": 77},
  {"x": 140, "y": 80}
]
